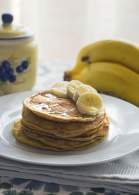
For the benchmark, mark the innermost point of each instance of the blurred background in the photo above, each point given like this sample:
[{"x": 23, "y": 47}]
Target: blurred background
[{"x": 62, "y": 27}]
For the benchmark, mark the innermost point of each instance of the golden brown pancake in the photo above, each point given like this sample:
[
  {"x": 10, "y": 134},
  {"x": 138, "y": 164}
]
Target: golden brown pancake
[
  {"x": 59, "y": 129},
  {"x": 52, "y": 143},
  {"x": 53, "y": 108},
  {"x": 87, "y": 136},
  {"x": 53, "y": 123},
  {"x": 21, "y": 138}
]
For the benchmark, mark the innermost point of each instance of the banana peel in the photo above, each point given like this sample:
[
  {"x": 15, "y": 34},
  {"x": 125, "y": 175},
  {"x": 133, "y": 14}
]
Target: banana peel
[{"x": 112, "y": 67}]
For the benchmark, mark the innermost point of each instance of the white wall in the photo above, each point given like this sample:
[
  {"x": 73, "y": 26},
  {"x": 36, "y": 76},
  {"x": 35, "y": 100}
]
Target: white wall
[
  {"x": 62, "y": 27},
  {"x": 101, "y": 20},
  {"x": 12, "y": 6},
  {"x": 127, "y": 23},
  {"x": 59, "y": 25}
]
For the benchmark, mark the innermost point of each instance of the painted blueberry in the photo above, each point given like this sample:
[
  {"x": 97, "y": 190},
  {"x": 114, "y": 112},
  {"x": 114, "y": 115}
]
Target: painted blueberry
[
  {"x": 19, "y": 69},
  {"x": 12, "y": 78},
  {"x": 24, "y": 64},
  {"x": 3, "y": 74},
  {"x": 4, "y": 77},
  {"x": 2, "y": 70},
  {"x": 10, "y": 71},
  {"x": 7, "y": 18},
  {"x": 6, "y": 65}
]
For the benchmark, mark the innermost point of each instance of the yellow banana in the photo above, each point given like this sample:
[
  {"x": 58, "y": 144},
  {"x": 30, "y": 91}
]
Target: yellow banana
[
  {"x": 107, "y": 51},
  {"x": 112, "y": 78},
  {"x": 111, "y": 67}
]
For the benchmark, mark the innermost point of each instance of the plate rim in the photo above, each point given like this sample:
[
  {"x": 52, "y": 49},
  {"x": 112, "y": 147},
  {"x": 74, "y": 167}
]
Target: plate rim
[{"x": 19, "y": 159}]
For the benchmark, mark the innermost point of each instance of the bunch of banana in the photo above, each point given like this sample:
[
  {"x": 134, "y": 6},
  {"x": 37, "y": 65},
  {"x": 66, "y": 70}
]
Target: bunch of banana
[{"x": 110, "y": 66}]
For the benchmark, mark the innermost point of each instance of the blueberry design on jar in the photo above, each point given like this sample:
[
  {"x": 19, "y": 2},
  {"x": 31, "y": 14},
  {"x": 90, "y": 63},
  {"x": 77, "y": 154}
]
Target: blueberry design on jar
[{"x": 9, "y": 74}]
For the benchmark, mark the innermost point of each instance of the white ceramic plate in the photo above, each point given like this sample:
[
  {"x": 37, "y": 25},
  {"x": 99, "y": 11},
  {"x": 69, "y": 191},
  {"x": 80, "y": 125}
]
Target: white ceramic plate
[{"x": 123, "y": 135}]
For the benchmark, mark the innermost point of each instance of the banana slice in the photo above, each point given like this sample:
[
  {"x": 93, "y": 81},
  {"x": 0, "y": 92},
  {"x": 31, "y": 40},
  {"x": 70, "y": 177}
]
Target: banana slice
[
  {"x": 60, "y": 89},
  {"x": 89, "y": 103},
  {"x": 71, "y": 88},
  {"x": 83, "y": 89}
]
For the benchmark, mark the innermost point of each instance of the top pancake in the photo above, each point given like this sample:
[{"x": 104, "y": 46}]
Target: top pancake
[{"x": 54, "y": 108}]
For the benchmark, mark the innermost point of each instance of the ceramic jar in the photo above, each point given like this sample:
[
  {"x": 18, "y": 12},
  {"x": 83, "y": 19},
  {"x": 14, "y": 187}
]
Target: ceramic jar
[{"x": 18, "y": 57}]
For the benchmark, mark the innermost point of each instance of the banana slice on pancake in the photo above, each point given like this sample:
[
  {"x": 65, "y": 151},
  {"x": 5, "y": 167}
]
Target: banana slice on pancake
[
  {"x": 89, "y": 103},
  {"x": 83, "y": 89},
  {"x": 60, "y": 89},
  {"x": 72, "y": 87}
]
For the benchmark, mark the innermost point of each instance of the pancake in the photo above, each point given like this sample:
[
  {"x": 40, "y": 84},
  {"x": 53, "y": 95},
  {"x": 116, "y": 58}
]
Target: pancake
[
  {"x": 21, "y": 138},
  {"x": 54, "y": 108},
  {"x": 19, "y": 135},
  {"x": 54, "y": 123},
  {"x": 85, "y": 136},
  {"x": 71, "y": 129},
  {"x": 29, "y": 116},
  {"x": 82, "y": 137},
  {"x": 52, "y": 143}
]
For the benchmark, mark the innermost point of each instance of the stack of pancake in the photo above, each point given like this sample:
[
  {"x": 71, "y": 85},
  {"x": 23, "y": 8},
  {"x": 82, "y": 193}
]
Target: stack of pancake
[{"x": 54, "y": 123}]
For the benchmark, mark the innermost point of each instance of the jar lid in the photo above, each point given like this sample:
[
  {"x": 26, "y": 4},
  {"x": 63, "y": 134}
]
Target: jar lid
[{"x": 9, "y": 31}]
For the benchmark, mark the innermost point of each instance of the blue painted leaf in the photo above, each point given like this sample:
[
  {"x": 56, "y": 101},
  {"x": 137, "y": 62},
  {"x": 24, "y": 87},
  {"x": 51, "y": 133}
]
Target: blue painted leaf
[
  {"x": 18, "y": 181},
  {"x": 5, "y": 185},
  {"x": 24, "y": 192},
  {"x": 10, "y": 192},
  {"x": 51, "y": 187},
  {"x": 100, "y": 190},
  {"x": 76, "y": 193},
  {"x": 111, "y": 192},
  {"x": 70, "y": 188},
  {"x": 91, "y": 193},
  {"x": 34, "y": 185}
]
